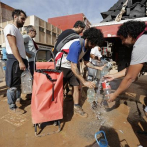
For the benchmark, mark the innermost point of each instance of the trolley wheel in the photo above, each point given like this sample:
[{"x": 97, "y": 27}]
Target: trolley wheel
[{"x": 35, "y": 125}]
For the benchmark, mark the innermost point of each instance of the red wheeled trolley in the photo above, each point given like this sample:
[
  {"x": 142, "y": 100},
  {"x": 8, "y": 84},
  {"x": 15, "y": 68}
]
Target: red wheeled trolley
[{"x": 47, "y": 95}]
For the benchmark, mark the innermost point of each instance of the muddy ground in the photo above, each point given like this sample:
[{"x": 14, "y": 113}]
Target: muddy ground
[{"x": 123, "y": 122}]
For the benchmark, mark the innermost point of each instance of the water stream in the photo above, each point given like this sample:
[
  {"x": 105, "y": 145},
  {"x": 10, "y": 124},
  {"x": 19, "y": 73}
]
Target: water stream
[{"x": 97, "y": 105}]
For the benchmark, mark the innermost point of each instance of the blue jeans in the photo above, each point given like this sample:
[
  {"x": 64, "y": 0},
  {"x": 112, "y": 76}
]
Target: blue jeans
[{"x": 13, "y": 94}]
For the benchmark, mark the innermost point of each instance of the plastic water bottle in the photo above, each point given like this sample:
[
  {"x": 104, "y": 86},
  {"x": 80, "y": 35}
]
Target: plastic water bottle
[
  {"x": 107, "y": 91},
  {"x": 4, "y": 66},
  {"x": 26, "y": 82},
  {"x": 90, "y": 95},
  {"x": 104, "y": 71},
  {"x": 101, "y": 73},
  {"x": 106, "y": 88}
]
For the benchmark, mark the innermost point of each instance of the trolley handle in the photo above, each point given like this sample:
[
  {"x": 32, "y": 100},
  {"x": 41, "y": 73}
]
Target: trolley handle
[{"x": 46, "y": 50}]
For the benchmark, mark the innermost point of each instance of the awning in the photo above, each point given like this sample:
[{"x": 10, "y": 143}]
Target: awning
[{"x": 109, "y": 30}]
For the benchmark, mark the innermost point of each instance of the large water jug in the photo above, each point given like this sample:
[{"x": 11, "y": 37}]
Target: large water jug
[
  {"x": 101, "y": 73},
  {"x": 102, "y": 142},
  {"x": 1, "y": 71},
  {"x": 26, "y": 82},
  {"x": 4, "y": 66},
  {"x": 106, "y": 69}
]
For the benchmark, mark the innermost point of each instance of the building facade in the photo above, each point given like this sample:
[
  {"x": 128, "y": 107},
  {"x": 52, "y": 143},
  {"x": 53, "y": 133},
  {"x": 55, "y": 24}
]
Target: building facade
[
  {"x": 5, "y": 15},
  {"x": 67, "y": 22},
  {"x": 46, "y": 32},
  {"x": 5, "y": 12}
]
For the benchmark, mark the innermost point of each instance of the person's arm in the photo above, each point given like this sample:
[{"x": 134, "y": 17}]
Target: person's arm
[
  {"x": 26, "y": 41},
  {"x": 90, "y": 65},
  {"x": 130, "y": 77},
  {"x": 120, "y": 74},
  {"x": 12, "y": 43},
  {"x": 76, "y": 72}
]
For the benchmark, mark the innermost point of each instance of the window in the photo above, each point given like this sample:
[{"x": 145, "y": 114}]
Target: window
[
  {"x": 48, "y": 32},
  {"x": 41, "y": 29},
  {"x": 54, "y": 34}
]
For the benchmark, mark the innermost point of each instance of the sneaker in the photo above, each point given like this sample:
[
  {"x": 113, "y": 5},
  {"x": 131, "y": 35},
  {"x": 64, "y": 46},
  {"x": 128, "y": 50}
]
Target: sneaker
[
  {"x": 78, "y": 110},
  {"x": 17, "y": 111}
]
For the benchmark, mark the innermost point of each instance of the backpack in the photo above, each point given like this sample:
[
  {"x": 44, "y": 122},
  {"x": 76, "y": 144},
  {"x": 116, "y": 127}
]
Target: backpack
[
  {"x": 65, "y": 40},
  {"x": 62, "y": 43}
]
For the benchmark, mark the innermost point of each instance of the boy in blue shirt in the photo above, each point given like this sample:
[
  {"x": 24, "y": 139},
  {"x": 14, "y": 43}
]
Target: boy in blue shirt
[{"x": 69, "y": 57}]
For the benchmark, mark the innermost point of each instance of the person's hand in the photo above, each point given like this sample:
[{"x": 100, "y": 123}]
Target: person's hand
[
  {"x": 112, "y": 97},
  {"x": 89, "y": 84},
  {"x": 22, "y": 66},
  {"x": 109, "y": 77}
]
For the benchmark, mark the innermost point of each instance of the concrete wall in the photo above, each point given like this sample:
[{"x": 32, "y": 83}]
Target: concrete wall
[{"x": 46, "y": 33}]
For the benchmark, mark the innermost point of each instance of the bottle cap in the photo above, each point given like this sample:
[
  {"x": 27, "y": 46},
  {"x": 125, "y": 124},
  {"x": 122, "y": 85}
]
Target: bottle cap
[{"x": 105, "y": 85}]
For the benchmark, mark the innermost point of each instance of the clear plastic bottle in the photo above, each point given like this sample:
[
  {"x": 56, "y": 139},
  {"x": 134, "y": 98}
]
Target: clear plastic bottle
[
  {"x": 26, "y": 82},
  {"x": 104, "y": 71},
  {"x": 107, "y": 91},
  {"x": 90, "y": 95},
  {"x": 4, "y": 67},
  {"x": 106, "y": 88},
  {"x": 101, "y": 73}
]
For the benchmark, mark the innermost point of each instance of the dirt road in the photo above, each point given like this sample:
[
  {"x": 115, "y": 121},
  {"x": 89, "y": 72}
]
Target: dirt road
[{"x": 123, "y": 123}]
